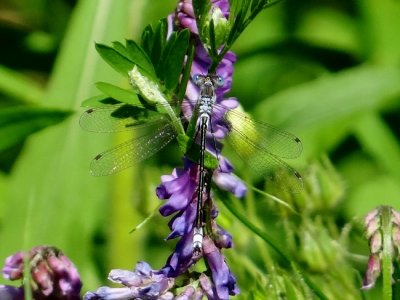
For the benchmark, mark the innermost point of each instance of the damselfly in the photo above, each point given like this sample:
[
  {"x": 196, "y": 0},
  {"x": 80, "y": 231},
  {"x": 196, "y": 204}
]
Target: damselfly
[
  {"x": 259, "y": 144},
  {"x": 205, "y": 104}
]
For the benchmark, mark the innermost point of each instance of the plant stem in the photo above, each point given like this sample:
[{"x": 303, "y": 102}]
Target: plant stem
[{"x": 387, "y": 253}]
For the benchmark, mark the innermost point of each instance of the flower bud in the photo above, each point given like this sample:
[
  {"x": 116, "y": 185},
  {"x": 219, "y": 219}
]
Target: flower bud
[
  {"x": 221, "y": 26},
  {"x": 53, "y": 276},
  {"x": 376, "y": 232},
  {"x": 373, "y": 272}
]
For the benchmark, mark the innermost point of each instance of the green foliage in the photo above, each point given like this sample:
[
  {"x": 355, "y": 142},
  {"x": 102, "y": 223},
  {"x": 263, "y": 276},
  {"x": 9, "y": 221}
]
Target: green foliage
[
  {"x": 218, "y": 34},
  {"x": 17, "y": 123},
  {"x": 115, "y": 92},
  {"x": 167, "y": 55},
  {"x": 122, "y": 58}
]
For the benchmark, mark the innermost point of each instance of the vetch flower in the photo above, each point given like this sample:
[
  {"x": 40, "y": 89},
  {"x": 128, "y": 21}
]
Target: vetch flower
[
  {"x": 142, "y": 283},
  {"x": 224, "y": 178},
  {"x": 11, "y": 293},
  {"x": 224, "y": 283},
  {"x": 182, "y": 258},
  {"x": 189, "y": 293},
  {"x": 53, "y": 275},
  {"x": 382, "y": 229},
  {"x": 373, "y": 272},
  {"x": 185, "y": 15},
  {"x": 179, "y": 189}
]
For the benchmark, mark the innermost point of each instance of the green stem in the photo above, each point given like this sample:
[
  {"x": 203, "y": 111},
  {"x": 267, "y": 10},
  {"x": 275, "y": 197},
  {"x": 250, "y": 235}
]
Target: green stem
[{"x": 387, "y": 252}]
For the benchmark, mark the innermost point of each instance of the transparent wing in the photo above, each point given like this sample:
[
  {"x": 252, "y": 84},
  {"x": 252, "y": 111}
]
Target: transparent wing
[
  {"x": 266, "y": 164},
  {"x": 265, "y": 137},
  {"x": 133, "y": 151},
  {"x": 261, "y": 146},
  {"x": 120, "y": 117}
]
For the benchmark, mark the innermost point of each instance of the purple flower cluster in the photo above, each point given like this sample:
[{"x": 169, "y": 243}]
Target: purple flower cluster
[
  {"x": 179, "y": 190},
  {"x": 53, "y": 276},
  {"x": 374, "y": 233},
  {"x": 142, "y": 283},
  {"x": 185, "y": 17}
]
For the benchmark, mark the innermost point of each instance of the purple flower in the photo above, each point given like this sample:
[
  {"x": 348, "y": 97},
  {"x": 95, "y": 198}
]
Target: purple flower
[
  {"x": 142, "y": 283},
  {"x": 373, "y": 272},
  {"x": 53, "y": 275},
  {"x": 185, "y": 14},
  {"x": 182, "y": 258},
  {"x": 374, "y": 231},
  {"x": 225, "y": 180},
  {"x": 178, "y": 188},
  {"x": 222, "y": 238},
  {"x": 190, "y": 293},
  {"x": 11, "y": 293},
  {"x": 224, "y": 283}
]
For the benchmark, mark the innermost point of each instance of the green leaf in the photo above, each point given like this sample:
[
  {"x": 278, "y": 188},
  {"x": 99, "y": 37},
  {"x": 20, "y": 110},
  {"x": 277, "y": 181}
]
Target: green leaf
[
  {"x": 255, "y": 4},
  {"x": 163, "y": 74},
  {"x": 117, "y": 93},
  {"x": 147, "y": 39},
  {"x": 173, "y": 61},
  {"x": 121, "y": 49},
  {"x": 201, "y": 10},
  {"x": 212, "y": 38},
  {"x": 139, "y": 57},
  {"x": 192, "y": 151},
  {"x": 17, "y": 123},
  {"x": 115, "y": 59},
  {"x": 237, "y": 19},
  {"x": 186, "y": 73},
  {"x": 237, "y": 23},
  {"x": 183, "y": 141},
  {"x": 291, "y": 291},
  {"x": 122, "y": 58},
  {"x": 154, "y": 41},
  {"x": 270, "y": 3},
  {"x": 98, "y": 101}
]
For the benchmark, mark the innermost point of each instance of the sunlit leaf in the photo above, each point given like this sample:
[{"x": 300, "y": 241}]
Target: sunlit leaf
[
  {"x": 174, "y": 59},
  {"x": 115, "y": 59},
  {"x": 117, "y": 93}
]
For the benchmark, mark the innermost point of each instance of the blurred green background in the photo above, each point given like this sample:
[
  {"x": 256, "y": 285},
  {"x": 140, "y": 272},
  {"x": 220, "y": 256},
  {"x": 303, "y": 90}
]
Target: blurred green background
[{"x": 327, "y": 71}]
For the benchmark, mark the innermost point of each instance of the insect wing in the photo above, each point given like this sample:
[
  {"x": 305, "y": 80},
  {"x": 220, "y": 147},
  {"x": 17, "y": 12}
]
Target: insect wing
[
  {"x": 119, "y": 117},
  {"x": 262, "y": 146},
  {"x": 132, "y": 151},
  {"x": 266, "y": 164},
  {"x": 264, "y": 136}
]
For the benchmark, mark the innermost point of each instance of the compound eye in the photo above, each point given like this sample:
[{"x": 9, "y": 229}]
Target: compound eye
[
  {"x": 219, "y": 81},
  {"x": 197, "y": 78}
]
